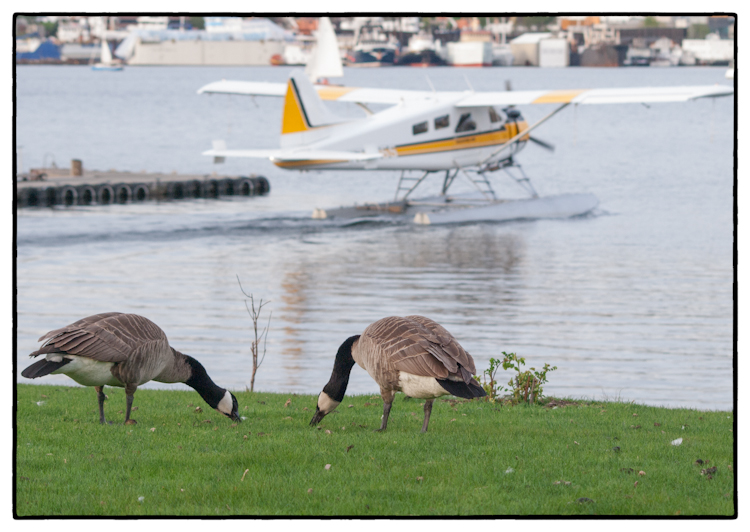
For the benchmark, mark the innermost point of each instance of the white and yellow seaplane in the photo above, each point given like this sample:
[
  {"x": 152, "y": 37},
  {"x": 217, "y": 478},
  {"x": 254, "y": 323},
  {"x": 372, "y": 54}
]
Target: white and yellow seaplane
[{"x": 452, "y": 133}]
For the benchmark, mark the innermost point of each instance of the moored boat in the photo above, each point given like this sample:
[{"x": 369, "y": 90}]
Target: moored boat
[
  {"x": 423, "y": 51},
  {"x": 107, "y": 63},
  {"x": 373, "y": 47}
]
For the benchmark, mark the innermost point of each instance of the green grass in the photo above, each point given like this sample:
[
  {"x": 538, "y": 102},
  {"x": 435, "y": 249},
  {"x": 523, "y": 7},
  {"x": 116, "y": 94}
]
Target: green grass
[{"x": 478, "y": 458}]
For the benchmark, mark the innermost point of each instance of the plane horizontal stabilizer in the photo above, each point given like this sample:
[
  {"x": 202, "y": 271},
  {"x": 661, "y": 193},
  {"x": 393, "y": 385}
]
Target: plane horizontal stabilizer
[
  {"x": 297, "y": 155},
  {"x": 326, "y": 92},
  {"x": 246, "y": 88}
]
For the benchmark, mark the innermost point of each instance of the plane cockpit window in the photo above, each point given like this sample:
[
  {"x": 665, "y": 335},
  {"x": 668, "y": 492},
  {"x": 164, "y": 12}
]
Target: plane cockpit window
[
  {"x": 465, "y": 123},
  {"x": 442, "y": 121},
  {"x": 495, "y": 116},
  {"x": 419, "y": 128}
]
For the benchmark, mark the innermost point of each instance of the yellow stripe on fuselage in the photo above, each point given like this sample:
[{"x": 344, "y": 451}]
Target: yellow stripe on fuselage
[
  {"x": 479, "y": 140},
  {"x": 293, "y": 119},
  {"x": 558, "y": 97}
]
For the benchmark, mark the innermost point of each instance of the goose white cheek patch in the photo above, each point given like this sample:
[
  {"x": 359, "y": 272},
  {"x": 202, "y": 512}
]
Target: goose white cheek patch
[
  {"x": 225, "y": 405},
  {"x": 326, "y": 404}
]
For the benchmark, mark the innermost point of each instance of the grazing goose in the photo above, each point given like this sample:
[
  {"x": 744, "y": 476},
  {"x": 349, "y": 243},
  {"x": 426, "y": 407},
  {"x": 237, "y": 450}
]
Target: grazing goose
[
  {"x": 123, "y": 350},
  {"x": 413, "y": 355}
]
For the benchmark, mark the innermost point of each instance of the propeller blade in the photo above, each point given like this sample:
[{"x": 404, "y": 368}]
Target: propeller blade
[
  {"x": 543, "y": 144},
  {"x": 509, "y": 88}
]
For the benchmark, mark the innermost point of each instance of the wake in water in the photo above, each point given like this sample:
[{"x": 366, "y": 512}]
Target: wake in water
[{"x": 102, "y": 228}]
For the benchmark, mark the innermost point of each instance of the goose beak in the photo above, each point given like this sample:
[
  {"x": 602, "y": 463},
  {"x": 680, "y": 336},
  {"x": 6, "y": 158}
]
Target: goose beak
[
  {"x": 317, "y": 417},
  {"x": 236, "y": 417}
]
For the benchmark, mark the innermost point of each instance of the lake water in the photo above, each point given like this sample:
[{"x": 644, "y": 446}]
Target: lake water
[{"x": 634, "y": 302}]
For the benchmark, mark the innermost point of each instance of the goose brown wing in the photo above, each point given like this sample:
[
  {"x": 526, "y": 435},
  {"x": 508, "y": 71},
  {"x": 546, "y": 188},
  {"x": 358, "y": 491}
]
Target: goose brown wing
[
  {"x": 108, "y": 337},
  {"x": 451, "y": 345},
  {"x": 414, "y": 348}
]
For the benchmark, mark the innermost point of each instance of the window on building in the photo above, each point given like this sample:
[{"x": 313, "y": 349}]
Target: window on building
[
  {"x": 465, "y": 123},
  {"x": 442, "y": 121},
  {"x": 419, "y": 128}
]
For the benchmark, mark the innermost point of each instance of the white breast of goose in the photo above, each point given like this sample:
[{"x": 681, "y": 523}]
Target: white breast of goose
[
  {"x": 87, "y": 371},
  {"x": 420, "y": 387}
]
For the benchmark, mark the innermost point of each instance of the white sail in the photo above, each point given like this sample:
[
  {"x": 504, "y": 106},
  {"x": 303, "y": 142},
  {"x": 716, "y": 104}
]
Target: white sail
[
  {"x": 106, "y": 52},
  {"x": 325, "y": 60}
]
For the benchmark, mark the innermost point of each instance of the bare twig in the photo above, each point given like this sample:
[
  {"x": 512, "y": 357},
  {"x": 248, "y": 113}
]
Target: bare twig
[
  {"x": 265, "y": 338},
  {"x": 255, "y": 315}
]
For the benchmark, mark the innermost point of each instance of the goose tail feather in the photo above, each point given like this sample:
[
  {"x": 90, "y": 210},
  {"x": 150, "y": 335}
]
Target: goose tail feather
[
  {"x": 42, "y": 368},
  {"x": 461, "y": 389}
]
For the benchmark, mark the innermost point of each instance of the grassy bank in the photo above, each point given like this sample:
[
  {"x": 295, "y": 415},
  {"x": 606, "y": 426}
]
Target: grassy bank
[{"x": 477, "y": 459}]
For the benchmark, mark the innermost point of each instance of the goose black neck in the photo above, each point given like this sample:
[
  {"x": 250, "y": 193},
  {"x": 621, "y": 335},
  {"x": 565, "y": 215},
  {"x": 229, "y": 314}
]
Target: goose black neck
[
  {"x": 342, "y": 367},
  {"x": 202, "y": 383}
]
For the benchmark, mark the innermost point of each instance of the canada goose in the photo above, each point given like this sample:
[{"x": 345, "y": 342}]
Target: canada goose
[
  {"x": 124, "y": 350},
  {"x": 413, "y": 355}
]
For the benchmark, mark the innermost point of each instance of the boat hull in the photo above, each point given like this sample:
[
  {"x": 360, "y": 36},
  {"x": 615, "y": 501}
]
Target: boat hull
[
  {"x": 372, "y": 58},
  {"x": 104, "y": 68},
  {"x": 422, "y": 59}
]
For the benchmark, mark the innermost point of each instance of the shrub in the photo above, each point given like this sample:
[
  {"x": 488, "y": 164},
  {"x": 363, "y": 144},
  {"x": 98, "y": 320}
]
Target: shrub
[{"x": 523, "y": 387}]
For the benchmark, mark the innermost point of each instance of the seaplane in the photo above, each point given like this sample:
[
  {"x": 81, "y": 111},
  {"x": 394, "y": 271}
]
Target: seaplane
[{"x": 425, "y": 133}]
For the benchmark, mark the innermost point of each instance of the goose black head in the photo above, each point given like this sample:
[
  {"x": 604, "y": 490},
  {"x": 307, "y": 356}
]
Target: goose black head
[
  {"x": 325, "y": 406},
  {"x": 218, "y": 398},
  {"x": 228, "y": 406},
  {"x": 333, "y": 392}
]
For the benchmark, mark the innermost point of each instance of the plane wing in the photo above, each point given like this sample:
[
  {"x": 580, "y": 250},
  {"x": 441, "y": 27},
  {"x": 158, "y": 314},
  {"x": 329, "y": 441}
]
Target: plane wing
[
  {"x": 480, "y": 99},
  {"x": 280, "y": 155},
  {"x": 598, "y": 96}
]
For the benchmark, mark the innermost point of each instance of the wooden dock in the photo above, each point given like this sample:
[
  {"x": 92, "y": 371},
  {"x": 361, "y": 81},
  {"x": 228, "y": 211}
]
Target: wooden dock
[{"x": 47, "y": 187}]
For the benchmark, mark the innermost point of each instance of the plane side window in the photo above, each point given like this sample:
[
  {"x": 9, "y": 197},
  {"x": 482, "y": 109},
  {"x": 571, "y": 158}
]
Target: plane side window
[
  {"x": 442, "y": 121},
  {"x": 495, "y": 116},
  {"x": 419, "y": 128},
  {"x": 465, "y": 123}
]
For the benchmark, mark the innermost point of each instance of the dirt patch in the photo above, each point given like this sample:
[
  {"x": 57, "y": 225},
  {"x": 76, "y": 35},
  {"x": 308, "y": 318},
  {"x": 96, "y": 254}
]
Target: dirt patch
[{"x": 560, "y": 402}]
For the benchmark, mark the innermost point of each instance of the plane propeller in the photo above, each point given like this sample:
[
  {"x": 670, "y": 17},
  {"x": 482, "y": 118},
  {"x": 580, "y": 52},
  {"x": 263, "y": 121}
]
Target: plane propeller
[
  {"x": 543, "y": 144},
  {"x": 514, "y": 114}
]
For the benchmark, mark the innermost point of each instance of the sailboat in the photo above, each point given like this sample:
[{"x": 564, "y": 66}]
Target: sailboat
[
  {"x": 106, "y": 62},
  {"x": 325, "y": 61}
]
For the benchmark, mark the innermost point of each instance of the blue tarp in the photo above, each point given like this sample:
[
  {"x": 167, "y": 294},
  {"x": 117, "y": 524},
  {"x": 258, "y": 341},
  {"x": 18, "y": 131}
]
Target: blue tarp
[{"x": 46, "y": 50}]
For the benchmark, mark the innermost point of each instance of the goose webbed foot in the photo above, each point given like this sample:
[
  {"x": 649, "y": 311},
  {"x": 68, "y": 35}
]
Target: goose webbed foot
[{"x": 131, "y": 422}]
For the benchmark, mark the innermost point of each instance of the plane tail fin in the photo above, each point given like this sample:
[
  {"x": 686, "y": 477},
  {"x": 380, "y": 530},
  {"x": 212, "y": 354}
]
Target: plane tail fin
[{"x": 303, "y": 108}]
